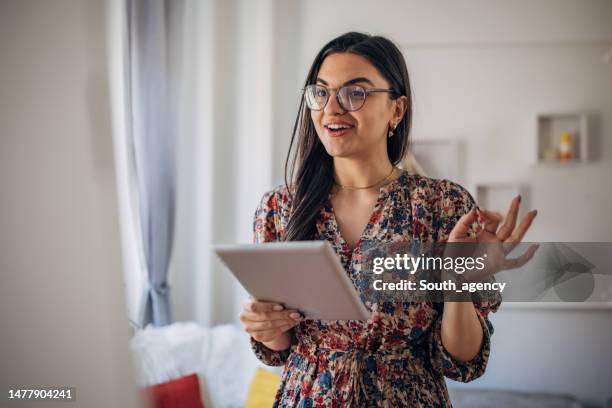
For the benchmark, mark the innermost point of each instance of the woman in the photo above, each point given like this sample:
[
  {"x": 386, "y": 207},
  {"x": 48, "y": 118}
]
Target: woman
[{"x": 353, "y": 129}]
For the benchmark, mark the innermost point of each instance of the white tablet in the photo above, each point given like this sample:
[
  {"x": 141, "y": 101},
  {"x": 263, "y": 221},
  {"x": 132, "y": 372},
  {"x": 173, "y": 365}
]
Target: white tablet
[{"x": 303, "y": 275}]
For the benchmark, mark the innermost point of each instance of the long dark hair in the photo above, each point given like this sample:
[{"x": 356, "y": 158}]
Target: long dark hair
[{"x": 314, "y": 178}]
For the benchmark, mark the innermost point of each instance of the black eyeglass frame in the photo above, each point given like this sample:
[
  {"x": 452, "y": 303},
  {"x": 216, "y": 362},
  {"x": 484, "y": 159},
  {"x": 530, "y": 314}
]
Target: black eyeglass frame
[{"x": 366, "y": 91}]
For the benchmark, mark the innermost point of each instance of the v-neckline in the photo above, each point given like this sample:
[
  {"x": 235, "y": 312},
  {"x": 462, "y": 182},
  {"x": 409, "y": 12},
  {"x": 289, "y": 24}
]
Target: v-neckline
[{"x": 382, "y": 195}]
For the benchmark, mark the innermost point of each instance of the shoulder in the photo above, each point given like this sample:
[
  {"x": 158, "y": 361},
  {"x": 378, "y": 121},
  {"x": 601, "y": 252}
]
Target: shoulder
[
  {"x": 438, "y": 192},
  {"x": 455, "y": 196},
  {"x": 270, "y": 215},
  {"x": 276, "y": 199},
  {"x": 273, "y": 213}
]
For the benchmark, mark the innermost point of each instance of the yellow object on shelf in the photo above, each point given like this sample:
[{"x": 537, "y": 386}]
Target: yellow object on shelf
[{"x": 565, "y": 147}]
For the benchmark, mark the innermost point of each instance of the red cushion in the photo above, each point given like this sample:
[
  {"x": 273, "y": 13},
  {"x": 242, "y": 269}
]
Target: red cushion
[{"x": 183, "y": 392}]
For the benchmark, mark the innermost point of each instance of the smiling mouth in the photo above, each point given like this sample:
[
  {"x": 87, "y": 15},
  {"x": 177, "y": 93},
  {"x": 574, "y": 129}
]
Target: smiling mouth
[{"x": 338, "y": 129}]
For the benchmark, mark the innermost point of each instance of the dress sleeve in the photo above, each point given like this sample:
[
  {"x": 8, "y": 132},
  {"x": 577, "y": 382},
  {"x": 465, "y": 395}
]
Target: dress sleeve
[
  {"x": 264, "y": 230},
  {"x": 454, "y": 202}
]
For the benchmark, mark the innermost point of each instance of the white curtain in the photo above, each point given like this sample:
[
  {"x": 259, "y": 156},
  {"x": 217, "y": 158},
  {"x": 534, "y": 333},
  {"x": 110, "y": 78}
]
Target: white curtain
[{"x": 151, "y": 140}]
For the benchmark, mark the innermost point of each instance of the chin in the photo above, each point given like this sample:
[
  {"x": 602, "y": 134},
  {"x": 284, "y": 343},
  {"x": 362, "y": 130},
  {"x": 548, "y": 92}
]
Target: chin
[
  {"x": 335, "y": 151},
  {"x": 340, "y": 155}
]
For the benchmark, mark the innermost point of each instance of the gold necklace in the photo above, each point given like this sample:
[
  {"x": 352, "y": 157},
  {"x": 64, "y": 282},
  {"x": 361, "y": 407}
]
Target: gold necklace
[{"x": 366, "y": 187}]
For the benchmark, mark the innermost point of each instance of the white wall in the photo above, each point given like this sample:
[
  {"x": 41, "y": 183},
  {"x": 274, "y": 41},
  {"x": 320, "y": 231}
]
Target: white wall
[
  {"x": 558, "y": 349},
  {"x": 63, "y": 312},
  {"x": 481, "y": 71}
]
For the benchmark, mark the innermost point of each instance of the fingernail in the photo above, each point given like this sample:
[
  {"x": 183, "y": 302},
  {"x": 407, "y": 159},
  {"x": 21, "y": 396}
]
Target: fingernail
[
  {"x": 520, "y": 198},
  {"x": 296, "y": 316},
  {"x": 278, "y": 308},
  {"x": 535, "y": 212}
]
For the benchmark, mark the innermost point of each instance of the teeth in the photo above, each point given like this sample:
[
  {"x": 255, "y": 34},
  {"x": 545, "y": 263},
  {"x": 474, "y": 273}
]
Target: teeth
[{"x": 336, "y": 126}]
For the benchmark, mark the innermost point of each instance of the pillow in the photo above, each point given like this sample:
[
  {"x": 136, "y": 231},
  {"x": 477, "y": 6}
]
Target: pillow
[
  {"x": 263, "y": 389},
  {"x": 183, "y": 392}
]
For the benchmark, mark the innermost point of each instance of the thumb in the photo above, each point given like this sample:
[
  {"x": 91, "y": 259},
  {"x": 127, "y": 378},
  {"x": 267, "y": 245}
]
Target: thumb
[{"x": 462, "y": 227}]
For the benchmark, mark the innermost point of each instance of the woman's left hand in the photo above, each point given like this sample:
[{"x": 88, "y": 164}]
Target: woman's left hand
[{"x": 494, "y": 240}]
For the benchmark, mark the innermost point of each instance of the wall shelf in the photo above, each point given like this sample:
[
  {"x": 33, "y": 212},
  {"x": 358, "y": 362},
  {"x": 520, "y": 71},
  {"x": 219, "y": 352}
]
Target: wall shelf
[{"x": 555, "y": 148}]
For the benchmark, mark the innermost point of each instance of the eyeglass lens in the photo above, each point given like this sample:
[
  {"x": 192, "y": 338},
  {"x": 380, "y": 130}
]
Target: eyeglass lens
[{"x": 350, "y": 97}]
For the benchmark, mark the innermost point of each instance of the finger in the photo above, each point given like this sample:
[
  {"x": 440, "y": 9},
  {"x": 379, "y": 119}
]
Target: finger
[
  {"x": 519, "y": 232},
  {"x": 521, "y": 260},
  {"x": 268, "y": 335},
  {"x": 268, "y": 325},
  {"x": 510, "y": 222},
  {"x": 490, "y": 219},
  {"x": 265, "y": 316},
  {"x": 463, "y": 225},
  {"x": 253, "y": 305}
]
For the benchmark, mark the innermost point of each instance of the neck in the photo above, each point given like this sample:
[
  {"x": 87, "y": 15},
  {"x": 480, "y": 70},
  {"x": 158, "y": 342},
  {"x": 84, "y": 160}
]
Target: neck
[{"x": 352, "y": 172}]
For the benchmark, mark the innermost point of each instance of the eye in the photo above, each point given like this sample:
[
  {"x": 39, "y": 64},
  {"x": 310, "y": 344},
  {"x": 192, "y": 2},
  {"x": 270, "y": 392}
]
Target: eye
[
  {"x": 320, "y": 92},
  {"x": 357, "y": 93}
]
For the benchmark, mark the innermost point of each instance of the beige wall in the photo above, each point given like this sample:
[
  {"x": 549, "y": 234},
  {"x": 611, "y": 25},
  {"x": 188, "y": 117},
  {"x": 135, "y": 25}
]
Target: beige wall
[{"x": 63, "y": 314}]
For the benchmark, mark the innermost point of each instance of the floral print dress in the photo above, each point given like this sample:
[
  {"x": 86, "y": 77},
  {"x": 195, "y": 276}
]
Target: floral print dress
[{"x": 395, "y": 359}]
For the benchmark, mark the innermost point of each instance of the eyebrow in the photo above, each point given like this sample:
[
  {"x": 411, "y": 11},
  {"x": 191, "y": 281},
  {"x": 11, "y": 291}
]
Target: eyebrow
[{"x": 350, "y": 82}]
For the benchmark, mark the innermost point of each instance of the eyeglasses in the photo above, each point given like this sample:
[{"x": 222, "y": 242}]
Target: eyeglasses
[{"x": 349, "y": 97}]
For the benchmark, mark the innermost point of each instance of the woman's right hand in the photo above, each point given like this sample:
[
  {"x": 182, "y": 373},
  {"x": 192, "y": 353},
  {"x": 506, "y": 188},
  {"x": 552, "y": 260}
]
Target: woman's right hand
[{"x": 269, "y": 323}]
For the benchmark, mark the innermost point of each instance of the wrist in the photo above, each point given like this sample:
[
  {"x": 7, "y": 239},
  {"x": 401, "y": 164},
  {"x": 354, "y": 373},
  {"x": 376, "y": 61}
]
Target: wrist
[{"x": 281, "y": 343}]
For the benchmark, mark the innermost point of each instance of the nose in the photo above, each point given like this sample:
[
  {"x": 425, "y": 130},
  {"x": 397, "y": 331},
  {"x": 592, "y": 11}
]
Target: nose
[{"x": 333, "y": 107}]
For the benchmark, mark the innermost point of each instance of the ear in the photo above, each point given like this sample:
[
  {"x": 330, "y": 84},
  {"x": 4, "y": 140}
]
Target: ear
[{"x": 401, "y": 105}]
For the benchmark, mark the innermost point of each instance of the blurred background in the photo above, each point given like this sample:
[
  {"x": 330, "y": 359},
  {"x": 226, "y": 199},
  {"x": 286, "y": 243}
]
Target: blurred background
[{"x": 136, "y": 134}]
